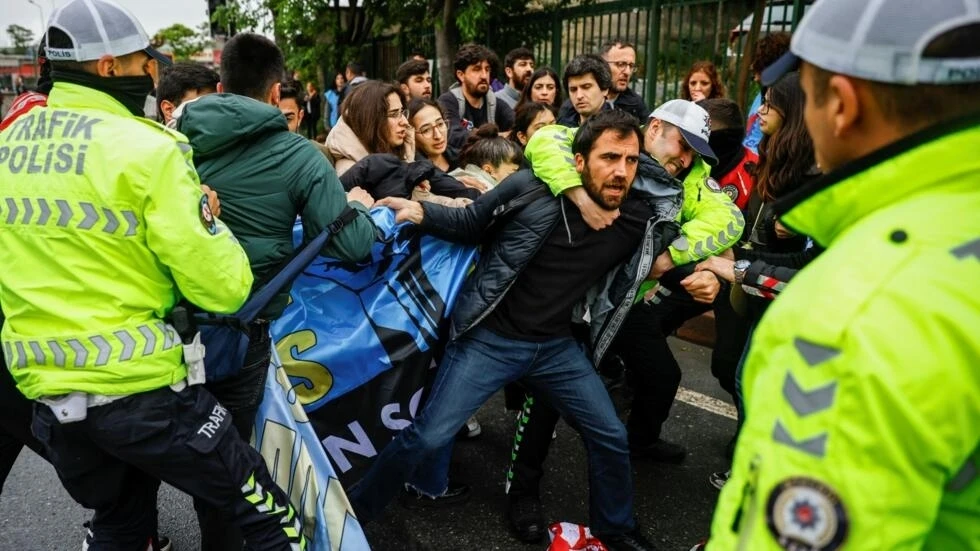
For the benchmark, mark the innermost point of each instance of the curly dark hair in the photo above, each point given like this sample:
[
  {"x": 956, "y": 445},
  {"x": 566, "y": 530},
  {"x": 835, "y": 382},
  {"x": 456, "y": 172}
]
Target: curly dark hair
[
  {"x": 708, "y": 68},
  {"x": 471, "y": 54},
  {"x": 768, "y": 49},
  {"x": 516, "y": 55},
  {"x": 786, "y": 157}
]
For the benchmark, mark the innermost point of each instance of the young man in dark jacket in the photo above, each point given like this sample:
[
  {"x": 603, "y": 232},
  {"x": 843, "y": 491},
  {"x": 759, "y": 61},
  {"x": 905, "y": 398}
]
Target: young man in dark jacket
[
  {"x": 266, "y": 176},
  {"x": 472, "y": 104},
  {"x": 621, "y": 57},
  {"x": 514, "y": 316}
]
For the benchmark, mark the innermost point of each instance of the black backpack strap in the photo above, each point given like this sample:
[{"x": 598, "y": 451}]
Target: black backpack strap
[{"x": 280, "y": 278}]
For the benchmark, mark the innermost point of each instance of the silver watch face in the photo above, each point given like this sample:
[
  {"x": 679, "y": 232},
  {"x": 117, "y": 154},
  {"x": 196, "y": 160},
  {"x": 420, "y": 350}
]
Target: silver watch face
[{"x": 742, "y": 264}]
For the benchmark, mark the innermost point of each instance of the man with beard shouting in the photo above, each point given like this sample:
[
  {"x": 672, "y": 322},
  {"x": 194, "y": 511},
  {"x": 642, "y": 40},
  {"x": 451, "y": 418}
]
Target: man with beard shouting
[{"x": 513, "y": 318}]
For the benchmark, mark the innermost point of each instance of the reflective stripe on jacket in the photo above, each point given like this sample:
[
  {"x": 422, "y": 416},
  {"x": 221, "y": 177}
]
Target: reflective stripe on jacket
[
  {"x": 862, "y": 385},
  {"x": 710, "y": 222},
  {"x": 103, "y": 225}
]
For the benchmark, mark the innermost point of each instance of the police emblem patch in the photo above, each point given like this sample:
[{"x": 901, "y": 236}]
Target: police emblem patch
[
  {"x": 731, "y": 191},
  {"x": 712, "y": 184},
  {"x": 207, "y": 217},
  {"x": 804, "y": 514}
]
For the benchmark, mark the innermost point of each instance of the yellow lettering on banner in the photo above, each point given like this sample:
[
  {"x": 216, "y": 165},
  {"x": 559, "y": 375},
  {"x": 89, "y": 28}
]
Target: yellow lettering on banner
[
  {"x": 278, "y": 445},
  {"x": 315, "y": 379},
  {"x": 278, "y": 442},
  {"x": 336, "y": 508},
  {"x": 303, "y": 493}
]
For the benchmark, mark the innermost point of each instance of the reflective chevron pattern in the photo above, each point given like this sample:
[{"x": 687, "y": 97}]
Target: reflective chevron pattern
[
  {"x": 80, "y": 215},
  {"x": 806, "y": 402},
  {"x": 94, "y": 351},
  {"x": 264, "y": 502}
]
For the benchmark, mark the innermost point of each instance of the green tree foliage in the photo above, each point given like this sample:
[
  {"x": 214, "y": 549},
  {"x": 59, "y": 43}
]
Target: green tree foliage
[
  {"x": 321, "y": 36},
  {"x": 184, "y": 40},
  {"x": 20, "y": 37}
]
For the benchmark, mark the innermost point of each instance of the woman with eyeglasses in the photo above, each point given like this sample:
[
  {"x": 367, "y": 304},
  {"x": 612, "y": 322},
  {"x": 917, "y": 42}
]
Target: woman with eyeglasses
[
  {"x": 431, "y": 133},
  {"x": 423, "y": 178},
  {"x": 544, "y": 86},
  {"x": 373, "y": 120},
  {"x": 771, "y": 254}
]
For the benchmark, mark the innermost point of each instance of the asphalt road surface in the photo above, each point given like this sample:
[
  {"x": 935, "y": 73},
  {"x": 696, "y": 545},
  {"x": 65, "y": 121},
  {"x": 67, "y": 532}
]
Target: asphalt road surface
[{"x": 673, "y": 502}]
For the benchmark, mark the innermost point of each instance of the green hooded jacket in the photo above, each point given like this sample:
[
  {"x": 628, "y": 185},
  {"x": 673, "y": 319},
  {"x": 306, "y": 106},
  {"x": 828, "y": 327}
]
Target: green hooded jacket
[{"x": 265, "y": 177}]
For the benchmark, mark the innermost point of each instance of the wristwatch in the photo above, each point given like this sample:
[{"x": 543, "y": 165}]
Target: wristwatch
[{"x": 740, "y": 267}]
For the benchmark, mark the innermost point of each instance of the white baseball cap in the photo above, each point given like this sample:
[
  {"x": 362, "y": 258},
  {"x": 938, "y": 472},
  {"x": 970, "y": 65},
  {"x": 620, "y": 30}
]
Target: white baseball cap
[
  {"x": 97, "y": 28},
  {"x": 693, "y": 122},
  {"x": 881, "y": 41}
]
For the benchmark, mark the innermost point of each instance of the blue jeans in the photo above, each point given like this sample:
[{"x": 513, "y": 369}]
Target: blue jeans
[
  {"x": 432, "y": 476},
  {"x": 481, "y": 363}
]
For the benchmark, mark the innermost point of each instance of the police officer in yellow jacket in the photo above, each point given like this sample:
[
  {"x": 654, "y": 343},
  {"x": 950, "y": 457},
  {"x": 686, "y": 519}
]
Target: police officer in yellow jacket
[
  {"x": 103, "y": 227},
  {"x": 862, "y": 383}
]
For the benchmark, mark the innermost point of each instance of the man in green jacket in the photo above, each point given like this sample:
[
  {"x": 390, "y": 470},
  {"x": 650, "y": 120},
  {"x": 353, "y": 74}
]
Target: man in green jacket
[
  {"x": 265, "y": 176},
  {"x": 106, "y": 227},
  {"x": 862, "y": 384}
]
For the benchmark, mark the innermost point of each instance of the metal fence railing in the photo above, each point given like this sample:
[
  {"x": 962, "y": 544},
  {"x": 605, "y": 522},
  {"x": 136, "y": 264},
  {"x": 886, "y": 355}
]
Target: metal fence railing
[{"x": 669, "y": 36}]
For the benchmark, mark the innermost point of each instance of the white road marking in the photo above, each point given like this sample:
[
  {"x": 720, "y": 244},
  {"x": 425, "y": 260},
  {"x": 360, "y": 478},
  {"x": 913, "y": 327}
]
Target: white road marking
[{"x": 706, "y": 403}]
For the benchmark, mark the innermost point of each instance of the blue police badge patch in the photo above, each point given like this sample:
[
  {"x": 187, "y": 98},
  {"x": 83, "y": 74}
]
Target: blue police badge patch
[
  {"x": 207, "y": 217},
  {"x": 804, "y": 514}
]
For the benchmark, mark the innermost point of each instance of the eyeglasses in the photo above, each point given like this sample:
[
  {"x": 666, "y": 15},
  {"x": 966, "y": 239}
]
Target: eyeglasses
[
  {"x": 396, "y": 113},
  {"x": 623, "y": 65},
  {"x": 430, "y": 129}
]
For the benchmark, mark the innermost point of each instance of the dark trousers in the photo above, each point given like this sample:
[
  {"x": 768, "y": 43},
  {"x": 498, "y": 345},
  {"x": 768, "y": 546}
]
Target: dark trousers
[
  {"x": 112, "y": 461},
  {"x": 653, "y": 373},
  {"x": 241, "y": 395},
  {"x": 15, "y": 424}
]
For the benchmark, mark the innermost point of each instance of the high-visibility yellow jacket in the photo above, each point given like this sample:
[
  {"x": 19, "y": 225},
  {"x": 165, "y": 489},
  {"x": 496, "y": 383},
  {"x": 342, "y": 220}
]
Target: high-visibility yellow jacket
[
  {"x": 862, "y": 385},
  {"x": 102, "y": 225},
  {"x": 710, "y": 222}
]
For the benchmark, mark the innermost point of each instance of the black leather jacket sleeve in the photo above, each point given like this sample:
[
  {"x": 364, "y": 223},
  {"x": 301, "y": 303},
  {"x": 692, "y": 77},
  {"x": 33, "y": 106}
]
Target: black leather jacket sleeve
[{"x": 468, "y": 225}]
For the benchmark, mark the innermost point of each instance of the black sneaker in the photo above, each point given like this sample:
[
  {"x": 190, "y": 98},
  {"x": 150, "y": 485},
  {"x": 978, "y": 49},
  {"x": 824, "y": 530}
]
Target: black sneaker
[
  {"x": 718, "y": 480},
  {"x": 163, "y": 542},
  {"x": 526, "y": 519},
  {"x": 411, "y": 498},
  {"x": 660, "y": 451},
  {"x": 630, "y": 541}
]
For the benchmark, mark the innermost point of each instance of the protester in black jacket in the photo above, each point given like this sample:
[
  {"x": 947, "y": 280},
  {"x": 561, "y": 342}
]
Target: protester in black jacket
[
  {"x": 513, "y": 316},
  {"x": 385, "y": 175}
]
